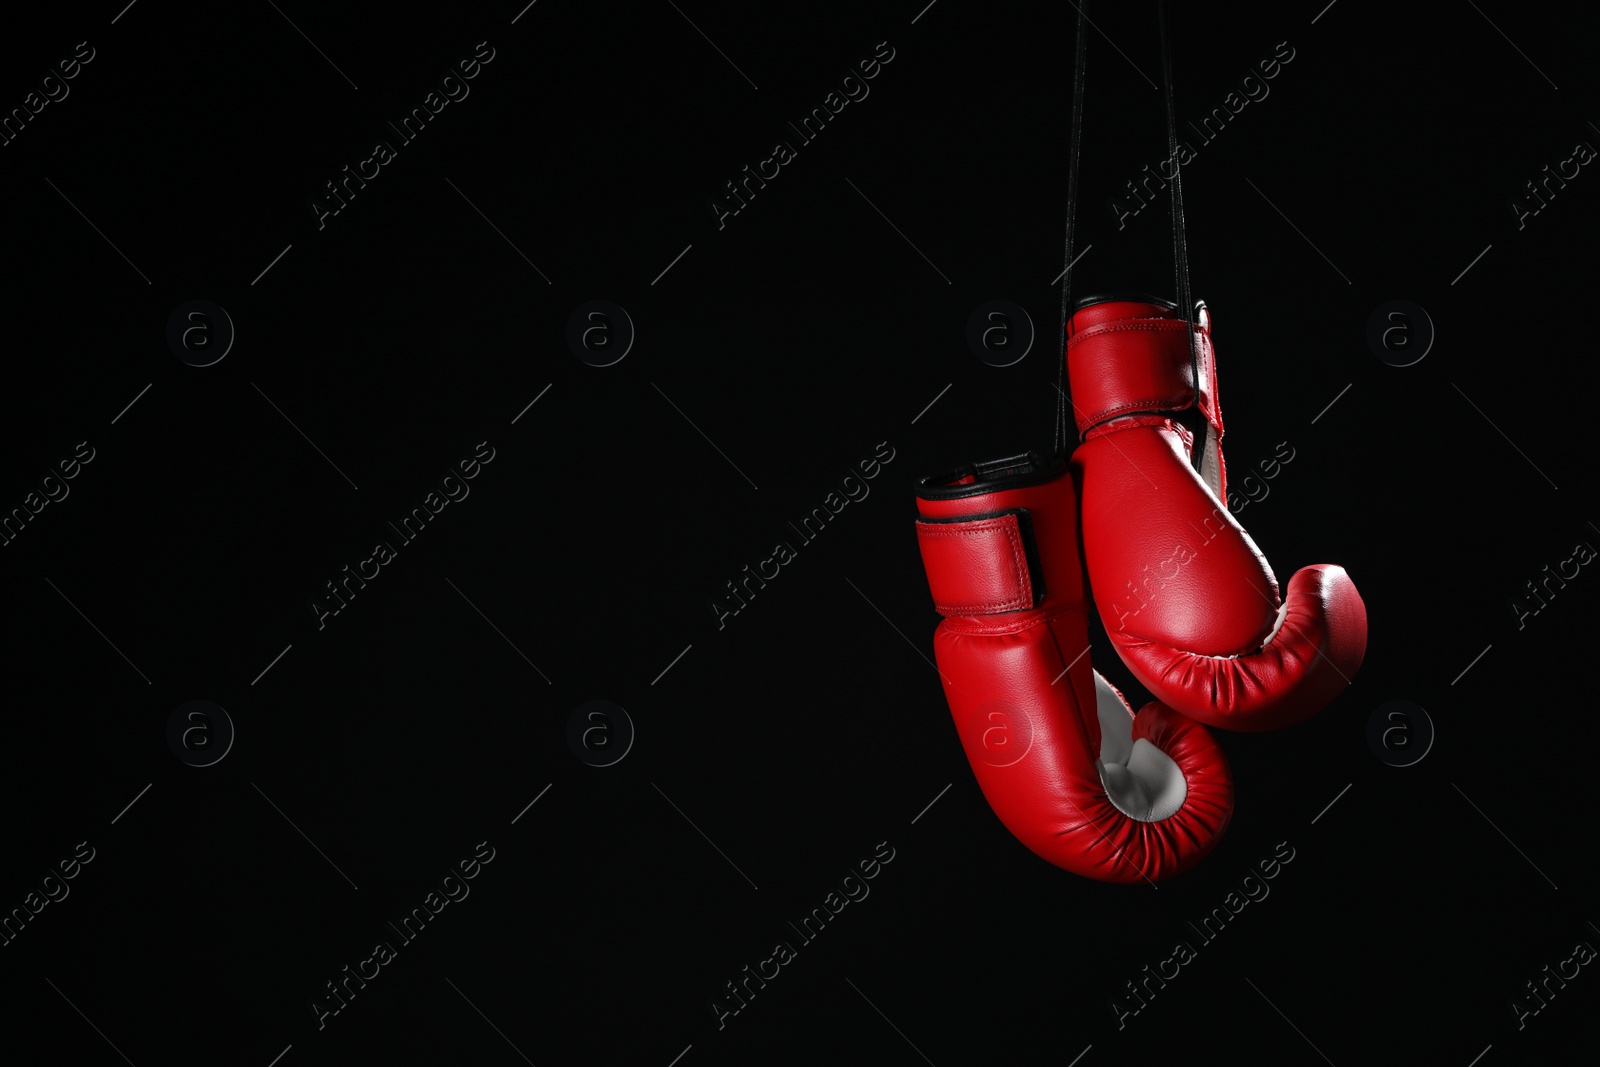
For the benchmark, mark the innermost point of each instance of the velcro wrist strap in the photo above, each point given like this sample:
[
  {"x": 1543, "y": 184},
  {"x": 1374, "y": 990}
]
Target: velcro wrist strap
[
  {"x": 1135, "y": 366},
  {"x": 982, "y": 565}
]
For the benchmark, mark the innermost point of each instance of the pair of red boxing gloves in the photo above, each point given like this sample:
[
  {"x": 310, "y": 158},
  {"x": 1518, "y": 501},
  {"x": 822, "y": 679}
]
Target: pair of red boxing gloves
[{"x": 1186, "y": 597}]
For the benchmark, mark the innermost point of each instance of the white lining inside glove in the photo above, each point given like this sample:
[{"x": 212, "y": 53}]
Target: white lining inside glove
[
  {"x": 1140, "y": 780},
  {"x": 1211, "y": 461}
]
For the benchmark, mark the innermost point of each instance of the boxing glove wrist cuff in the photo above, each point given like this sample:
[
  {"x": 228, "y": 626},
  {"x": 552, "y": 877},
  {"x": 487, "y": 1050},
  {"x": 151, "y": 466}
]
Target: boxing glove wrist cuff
[
  {"x": 1139, "y": 365},
  {"x": 976, "y": 529},
  {"x": 982, "y": 564}
]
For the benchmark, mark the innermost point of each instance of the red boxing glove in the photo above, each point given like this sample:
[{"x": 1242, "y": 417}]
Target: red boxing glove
[
  {"x": 1062, "y": 760},
  {"x": 1188, "y": 600}
]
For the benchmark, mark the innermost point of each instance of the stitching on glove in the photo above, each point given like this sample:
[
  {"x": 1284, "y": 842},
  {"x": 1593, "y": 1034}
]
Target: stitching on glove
[
  {"x": 1019, "y": 562},
  {"x": 1154, "y": 325},
  {"x": 1166, "y": 404},
  {"x": 1014, "y": 623}
]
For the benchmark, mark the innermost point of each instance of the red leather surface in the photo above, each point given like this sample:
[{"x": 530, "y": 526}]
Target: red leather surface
[
  {"x": 1166, "y": 561},
  {"x": 1029, "y": 726},
  {"x": 976, "y": 568},
  {"x": 1185, "y": 594},
  {"x": 1131, "y": 358},
  {"x": 1314, "y": 655}
]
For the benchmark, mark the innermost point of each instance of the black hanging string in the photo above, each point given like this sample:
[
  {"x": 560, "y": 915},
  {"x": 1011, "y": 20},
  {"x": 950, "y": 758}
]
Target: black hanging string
[
  {"x": 1180, "y": 245},
  {"x": 1072, "y": 215}
]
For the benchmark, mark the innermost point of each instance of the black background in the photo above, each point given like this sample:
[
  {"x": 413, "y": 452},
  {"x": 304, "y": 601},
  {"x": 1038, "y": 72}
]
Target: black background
[{"x": 797, "y": 337}]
